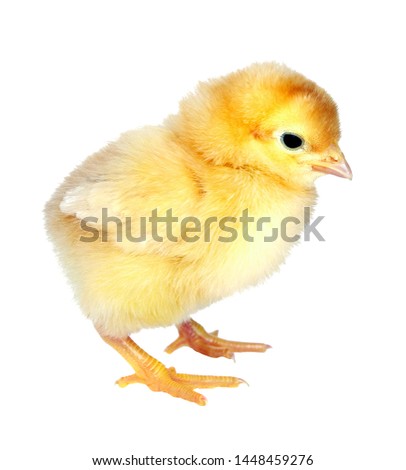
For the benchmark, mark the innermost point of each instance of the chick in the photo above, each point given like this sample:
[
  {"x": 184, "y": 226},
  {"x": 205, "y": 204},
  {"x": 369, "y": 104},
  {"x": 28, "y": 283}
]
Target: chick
[{"x": 167, "y": 219}]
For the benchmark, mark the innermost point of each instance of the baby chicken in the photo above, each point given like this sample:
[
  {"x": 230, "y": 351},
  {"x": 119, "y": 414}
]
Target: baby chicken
[{"x": 168, "y": 219}]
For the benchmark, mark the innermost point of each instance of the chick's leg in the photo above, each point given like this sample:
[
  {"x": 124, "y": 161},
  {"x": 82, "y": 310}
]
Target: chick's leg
[
  {"x": 195, "y": 336},
  {"x": 157, "y": 377}
]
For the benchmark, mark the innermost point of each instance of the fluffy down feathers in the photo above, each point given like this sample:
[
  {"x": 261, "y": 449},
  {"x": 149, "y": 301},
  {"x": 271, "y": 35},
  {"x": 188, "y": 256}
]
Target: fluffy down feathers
[{"x": 220, "y": 155}]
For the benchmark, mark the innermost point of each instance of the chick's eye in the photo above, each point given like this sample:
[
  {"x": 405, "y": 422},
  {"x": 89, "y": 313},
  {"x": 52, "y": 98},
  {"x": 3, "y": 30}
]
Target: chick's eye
[{"x": 291, "y": 141}]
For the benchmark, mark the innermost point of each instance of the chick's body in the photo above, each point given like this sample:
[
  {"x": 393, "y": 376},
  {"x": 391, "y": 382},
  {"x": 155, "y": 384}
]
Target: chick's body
[
  {"x": 125, "y": 286},
  {"x": 220, "y": 156}
]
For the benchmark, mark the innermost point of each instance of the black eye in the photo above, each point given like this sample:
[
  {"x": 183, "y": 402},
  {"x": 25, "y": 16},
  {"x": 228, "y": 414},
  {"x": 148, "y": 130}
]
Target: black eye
[{"x": 291, "y": 141}]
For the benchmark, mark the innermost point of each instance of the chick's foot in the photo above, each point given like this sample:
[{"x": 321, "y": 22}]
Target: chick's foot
[
  {"x": 195, "y": 336},
  {"x": 157, "y": 377}
]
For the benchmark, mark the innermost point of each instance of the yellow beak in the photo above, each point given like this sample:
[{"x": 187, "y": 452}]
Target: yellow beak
[{"x": 334, "y": 163}]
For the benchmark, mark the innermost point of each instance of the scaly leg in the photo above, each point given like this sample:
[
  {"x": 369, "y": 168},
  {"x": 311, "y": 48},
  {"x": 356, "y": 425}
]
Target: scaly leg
[
  {"x": 195, "y": 336},
  {"x": 157, "y": 377}
]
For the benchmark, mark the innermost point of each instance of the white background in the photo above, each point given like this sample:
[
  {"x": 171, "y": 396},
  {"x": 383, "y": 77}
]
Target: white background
[{"x": 74, "y": 75}]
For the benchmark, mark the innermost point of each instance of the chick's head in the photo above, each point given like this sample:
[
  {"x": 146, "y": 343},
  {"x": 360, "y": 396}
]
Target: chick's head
[{"x": 265, "y": 117}]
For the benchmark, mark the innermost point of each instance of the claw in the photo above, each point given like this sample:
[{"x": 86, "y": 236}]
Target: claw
[
  {"x": 157, "y": 377},
  {"x": 195, "y": 336}
]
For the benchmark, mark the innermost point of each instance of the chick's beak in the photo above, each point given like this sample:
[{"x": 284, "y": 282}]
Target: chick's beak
[{"x": 334, "y": 163}]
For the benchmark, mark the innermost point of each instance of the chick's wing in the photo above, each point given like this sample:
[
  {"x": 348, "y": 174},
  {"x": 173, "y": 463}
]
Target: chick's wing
[{"x": 145, "y": 174}]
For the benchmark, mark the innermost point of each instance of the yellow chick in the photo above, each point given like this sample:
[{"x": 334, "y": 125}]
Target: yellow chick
[{"x": 168, "y": 219}]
